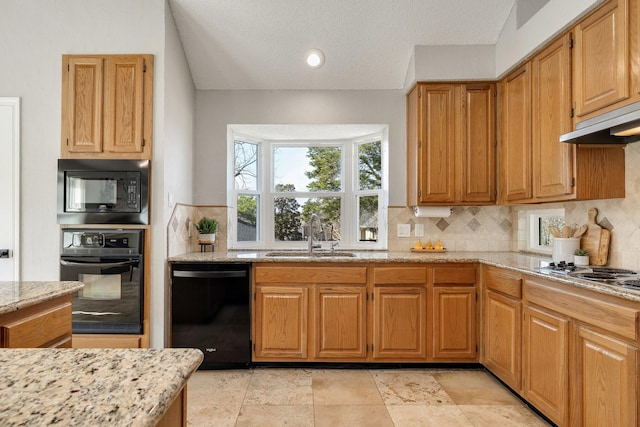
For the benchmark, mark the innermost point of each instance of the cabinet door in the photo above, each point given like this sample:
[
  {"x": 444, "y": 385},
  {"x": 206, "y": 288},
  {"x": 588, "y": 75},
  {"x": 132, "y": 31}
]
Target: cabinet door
[
  {"x": 553, "y": 160},
  {"x": 477, "y": 143},
  {"x": 454, "y": 323},
  {"x": 280, "y": 322},
  {"x": 605, "y": 387},
  {"x": 399, "y": 322},
  {"x": 545, "y": 363},
  {"x": 124, "y": 96},
  {"x": 515, "y": 135},
  {"x": 340, "y": 322},
  {"x": 436, "y": 146},
  {"x": 502, "y": 335},
  {"x": 601, "y": 58},
  {"x": 82, "y": 80}
]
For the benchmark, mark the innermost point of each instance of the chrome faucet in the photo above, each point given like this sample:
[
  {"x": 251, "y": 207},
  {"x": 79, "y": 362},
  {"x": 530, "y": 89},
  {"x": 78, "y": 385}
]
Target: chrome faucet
[{"x": 311, "y": 245}]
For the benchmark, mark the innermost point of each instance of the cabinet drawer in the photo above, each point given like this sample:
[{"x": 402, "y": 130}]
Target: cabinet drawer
[
  {"x": 454, "y": 275},
  {"x": 399, "y": 275},
  {"x": 612, "y": 317},
  {"x": 38, "y": 329},
  {"x": 503, "y": 281},
  {"x": 310, "y": 275},
  {"x": 106, "y": 341}
]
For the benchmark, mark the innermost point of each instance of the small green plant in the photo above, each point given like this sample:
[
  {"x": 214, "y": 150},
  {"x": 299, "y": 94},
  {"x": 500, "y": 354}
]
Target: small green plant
[
  {"x": 581, "y": 252},
  {"x": 207, "y": 225}
]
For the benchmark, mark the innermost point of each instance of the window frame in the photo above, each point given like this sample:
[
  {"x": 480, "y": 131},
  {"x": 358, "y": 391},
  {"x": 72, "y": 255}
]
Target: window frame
[
  {"x": 349, "y": 194},
  {"x": 533, "y": 228}
]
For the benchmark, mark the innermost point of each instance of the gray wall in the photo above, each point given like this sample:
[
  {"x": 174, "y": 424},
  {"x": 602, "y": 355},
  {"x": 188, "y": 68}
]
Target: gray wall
[{"x": 216, "y": 109}]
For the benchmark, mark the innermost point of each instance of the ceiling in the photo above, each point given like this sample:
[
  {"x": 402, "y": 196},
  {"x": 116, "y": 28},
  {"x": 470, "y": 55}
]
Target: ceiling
[{"x": 253, "y": 44}]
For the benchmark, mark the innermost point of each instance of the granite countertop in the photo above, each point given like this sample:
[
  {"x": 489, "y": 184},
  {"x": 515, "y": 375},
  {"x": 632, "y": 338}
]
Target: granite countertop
[
  {"x": 17, "y": 295},
  {"x": 517, "y": 261},
  {"x": 91, "y": 387}
]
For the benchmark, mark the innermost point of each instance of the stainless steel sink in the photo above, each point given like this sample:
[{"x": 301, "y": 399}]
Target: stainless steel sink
[{"x": 305, "y": 254}]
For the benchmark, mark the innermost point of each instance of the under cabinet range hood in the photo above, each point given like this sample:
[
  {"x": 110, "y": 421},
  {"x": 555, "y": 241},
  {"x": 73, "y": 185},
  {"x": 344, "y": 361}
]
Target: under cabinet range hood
[{"x": 621, "y": 126}]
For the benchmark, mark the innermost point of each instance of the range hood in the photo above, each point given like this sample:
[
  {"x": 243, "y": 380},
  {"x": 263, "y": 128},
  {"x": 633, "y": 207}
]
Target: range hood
[{"x": 620, "y": 126}]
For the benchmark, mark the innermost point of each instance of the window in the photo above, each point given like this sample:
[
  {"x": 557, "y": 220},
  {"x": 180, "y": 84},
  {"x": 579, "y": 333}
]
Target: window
[
  {"x": 539, "y": 238},
  {"x": 278, "y": 185}
]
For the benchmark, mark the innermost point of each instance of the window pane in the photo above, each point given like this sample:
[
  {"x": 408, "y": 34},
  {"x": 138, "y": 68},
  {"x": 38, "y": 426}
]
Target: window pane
[
  {"x": 287, "y": 212},
  {"x": 247, "y": 221},
  {"x": 328, "y": 210},
  {"x": 246, "y": 166},
  {"x": 369, "y": 166},
  {"x": 368, "y": 218},
  {"x": 544, "y": 223},
  {"x": 307, "y": 168}
]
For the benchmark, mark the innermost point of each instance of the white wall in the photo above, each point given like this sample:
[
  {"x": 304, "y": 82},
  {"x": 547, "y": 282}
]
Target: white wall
[
  {"x": 216, "y": 109},
  {"x": 174, "y": 165},
  {"x": 515, "y": 44},
  {"x": 35, "y": 34},
  {"x": 442, "y": 63}
]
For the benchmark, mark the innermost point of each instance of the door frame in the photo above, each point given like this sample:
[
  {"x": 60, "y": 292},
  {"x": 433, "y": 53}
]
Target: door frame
[{"x": 14, "y": 104}]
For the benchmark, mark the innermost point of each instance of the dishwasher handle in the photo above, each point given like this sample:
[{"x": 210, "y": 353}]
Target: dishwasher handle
[{"x": 209, "y": 274}]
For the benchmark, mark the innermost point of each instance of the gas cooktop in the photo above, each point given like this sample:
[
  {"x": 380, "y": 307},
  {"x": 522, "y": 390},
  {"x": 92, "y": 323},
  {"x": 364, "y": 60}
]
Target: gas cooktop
[{"x": 614, "y": 276}]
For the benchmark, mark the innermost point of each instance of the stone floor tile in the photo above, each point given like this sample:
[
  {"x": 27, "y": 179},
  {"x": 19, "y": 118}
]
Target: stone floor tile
[
  {"x": 281, "y": 377},
  {"x": 428, "y": 416},
  {"x": 351, "y": 416},
  {"x": 502, "y": 415},
  {"x": 474, "y": 387},
  {"x": 410, "y": 387},
  {"x": 345, "y": 387},
  {"x": 267, "y": 395},
  {"x": 275, "y": 416},
  {"x": 220, "y": 379}
]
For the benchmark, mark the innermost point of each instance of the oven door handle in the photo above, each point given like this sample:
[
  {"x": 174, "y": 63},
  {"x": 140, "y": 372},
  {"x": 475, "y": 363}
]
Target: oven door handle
[{"x": 98, "y": 264}]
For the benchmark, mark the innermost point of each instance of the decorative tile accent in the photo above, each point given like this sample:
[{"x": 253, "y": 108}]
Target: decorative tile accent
[
  {"x": 506, "y": 225},
  {"x": 604, "y": 223},
  {"x": 442, "y": 224},
  {"x": 473, "y": 224},
  {"x": 474, "y": 210}
]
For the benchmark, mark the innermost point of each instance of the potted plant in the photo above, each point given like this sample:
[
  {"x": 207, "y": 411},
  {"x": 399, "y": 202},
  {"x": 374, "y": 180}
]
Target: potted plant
[
  {"x": 207, "y": 228},
  {"x": 581, "y": 257}
]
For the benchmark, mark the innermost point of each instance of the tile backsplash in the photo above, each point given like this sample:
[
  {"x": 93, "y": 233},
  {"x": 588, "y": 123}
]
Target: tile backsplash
[
  {"x": 474, "y": 228},
  {"x": 178, "y": 239}
]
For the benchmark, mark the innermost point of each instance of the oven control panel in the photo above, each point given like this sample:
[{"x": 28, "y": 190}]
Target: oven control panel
[{"x": 102, "y": 242}]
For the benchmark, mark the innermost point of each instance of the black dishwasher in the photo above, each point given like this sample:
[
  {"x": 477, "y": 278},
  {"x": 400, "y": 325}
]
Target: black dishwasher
[{"x": 210, "y": 310}]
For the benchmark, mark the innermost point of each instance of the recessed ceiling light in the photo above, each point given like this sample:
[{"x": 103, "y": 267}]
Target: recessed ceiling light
[{"x": 314, "y": 58}]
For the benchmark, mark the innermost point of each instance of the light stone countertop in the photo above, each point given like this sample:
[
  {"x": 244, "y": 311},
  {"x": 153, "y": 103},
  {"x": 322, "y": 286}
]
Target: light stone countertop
[
  {"x": 17, "y": 295},
  {"x": 517, "y": 261},
  {"x": 91, "y": 387}
]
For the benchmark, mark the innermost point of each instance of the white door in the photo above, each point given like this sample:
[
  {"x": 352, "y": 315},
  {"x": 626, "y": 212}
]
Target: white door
[{"x": 9, "y": 188}]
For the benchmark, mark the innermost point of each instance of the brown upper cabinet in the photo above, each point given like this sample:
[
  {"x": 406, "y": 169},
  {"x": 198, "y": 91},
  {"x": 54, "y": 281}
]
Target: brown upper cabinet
[
  {"x": 451, "y": 144},
  {"x": 515, "y": 129},
  {"x": 605, "y": 75},
  {"x": 107, "y": 106},
  {"x": 535, "y": 109}
]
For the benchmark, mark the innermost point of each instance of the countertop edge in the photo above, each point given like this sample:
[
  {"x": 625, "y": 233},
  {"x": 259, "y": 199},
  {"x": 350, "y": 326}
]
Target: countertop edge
[{"x": 516, "y": 261}]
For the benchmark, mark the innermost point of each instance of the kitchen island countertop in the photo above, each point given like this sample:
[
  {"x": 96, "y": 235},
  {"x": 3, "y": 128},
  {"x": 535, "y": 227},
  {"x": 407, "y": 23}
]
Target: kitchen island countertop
[
  {"x": 17, "y": 295},
  {"x": 517, "y": 261},
  {"x": 91, "y": 387}
]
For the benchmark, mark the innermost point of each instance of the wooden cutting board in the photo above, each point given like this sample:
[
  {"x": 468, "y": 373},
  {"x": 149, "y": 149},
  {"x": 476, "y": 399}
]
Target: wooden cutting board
[{"x": 596, "y": 240}]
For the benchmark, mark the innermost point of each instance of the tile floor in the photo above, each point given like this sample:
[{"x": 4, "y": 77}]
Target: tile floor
[{"x": 348, "y": 397}]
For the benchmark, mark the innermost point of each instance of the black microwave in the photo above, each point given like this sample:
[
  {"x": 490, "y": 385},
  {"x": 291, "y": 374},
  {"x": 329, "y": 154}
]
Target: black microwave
[{"x": 97, "y": 191}]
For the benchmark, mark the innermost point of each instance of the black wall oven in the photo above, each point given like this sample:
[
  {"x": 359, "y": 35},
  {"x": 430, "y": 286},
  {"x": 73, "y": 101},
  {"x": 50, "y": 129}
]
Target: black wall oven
[
  {"x": 110, "y": 263},
  {"x": 103, "y": 191}
]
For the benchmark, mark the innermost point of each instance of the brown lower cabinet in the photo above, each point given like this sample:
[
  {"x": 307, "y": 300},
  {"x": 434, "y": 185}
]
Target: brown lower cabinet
[
  {"x": 46, "y": 324},
  {"x": 374, "y": 312},
  {"x": 580, "y": 349}
]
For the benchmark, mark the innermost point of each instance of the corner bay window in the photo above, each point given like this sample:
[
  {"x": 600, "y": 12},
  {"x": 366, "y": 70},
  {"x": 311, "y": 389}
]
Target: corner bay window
[{"x": 278, "y": 185}]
